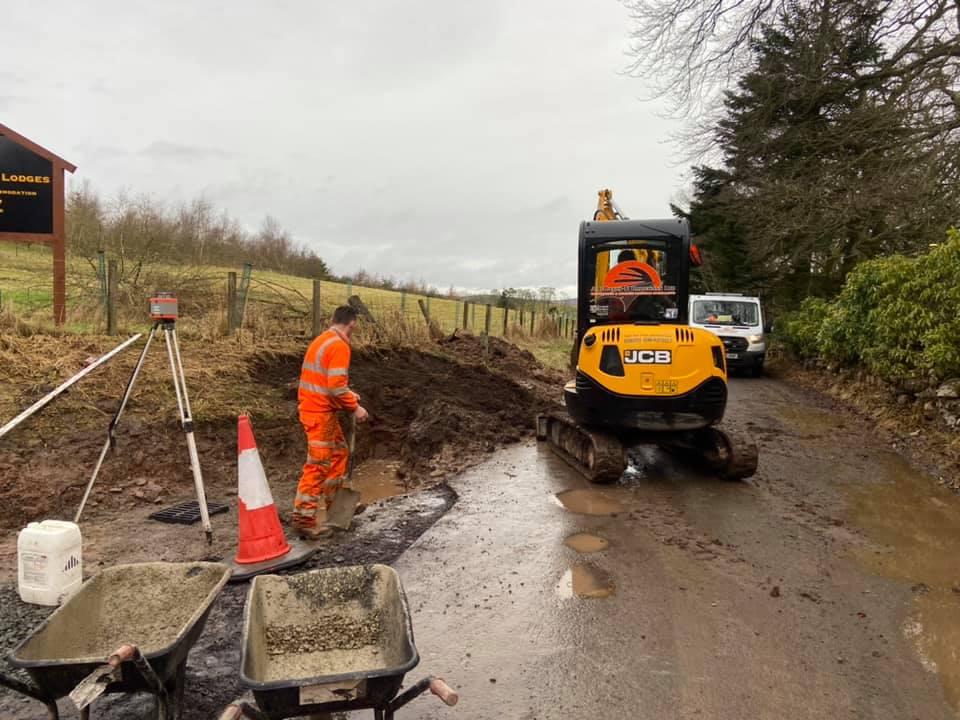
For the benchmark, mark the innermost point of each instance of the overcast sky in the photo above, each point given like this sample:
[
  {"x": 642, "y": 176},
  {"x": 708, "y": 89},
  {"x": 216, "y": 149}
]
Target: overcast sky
[{"x": 460, "y": 142}]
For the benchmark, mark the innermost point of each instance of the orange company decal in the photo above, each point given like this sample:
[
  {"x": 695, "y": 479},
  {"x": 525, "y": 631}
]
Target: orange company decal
[
  {"x": 35, "y": 179},
  {"x": 632, "y": 273}
]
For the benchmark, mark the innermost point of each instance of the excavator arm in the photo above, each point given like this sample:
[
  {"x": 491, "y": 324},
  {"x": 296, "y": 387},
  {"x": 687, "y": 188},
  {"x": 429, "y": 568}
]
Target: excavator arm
[{"x": 607, "y": 209}]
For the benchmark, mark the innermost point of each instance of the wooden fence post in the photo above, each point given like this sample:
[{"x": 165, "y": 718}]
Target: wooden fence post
[
  {"x": 316, "y": 312},
  {"x": 112, "y": 282},
  {"x": 486, "y": 329},
  {"x": 435, "y": 331},
  {"x": 520, "y": 323},
  {"x": 466, "y": 313},
  {"x": 506, "y": 311},
  {"x": 533, "y": 319},
  {"x": 231, "y": 303}
]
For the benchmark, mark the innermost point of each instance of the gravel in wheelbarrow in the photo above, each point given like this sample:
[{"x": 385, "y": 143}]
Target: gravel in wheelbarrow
[
  {"x": 327, "y": 640},
  {"x": 160, "y": 607}
]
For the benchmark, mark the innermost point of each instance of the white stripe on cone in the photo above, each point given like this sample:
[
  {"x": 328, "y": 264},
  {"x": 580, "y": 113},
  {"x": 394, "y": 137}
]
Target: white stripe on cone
[{"x": 252, "y": 480}]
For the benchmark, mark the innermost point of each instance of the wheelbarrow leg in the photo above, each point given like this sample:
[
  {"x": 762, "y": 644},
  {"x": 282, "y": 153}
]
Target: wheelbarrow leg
[
  {"x": 30, "y": 691},
  {"x": 175, "y": 710},
  {"x": 85, "y": 713}
]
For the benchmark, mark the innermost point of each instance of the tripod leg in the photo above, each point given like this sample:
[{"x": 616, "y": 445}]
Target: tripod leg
[
  {"x": 116, "y": 419},
  {"x": 186, "y": 420},
  {"x": 167, "y": 332}
]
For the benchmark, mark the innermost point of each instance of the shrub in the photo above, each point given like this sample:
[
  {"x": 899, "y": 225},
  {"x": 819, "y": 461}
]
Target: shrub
[{"x": 898, "y": 316}]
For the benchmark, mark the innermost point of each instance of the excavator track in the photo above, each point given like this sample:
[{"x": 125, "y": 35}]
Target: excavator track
[
  {"x": 599, "y": 457},
  {"x": 730, "y": 454}
]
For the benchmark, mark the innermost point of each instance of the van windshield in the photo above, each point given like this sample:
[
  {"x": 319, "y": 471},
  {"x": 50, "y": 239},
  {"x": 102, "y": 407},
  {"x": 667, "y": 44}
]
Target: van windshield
[{"x": 726, "y": 312}]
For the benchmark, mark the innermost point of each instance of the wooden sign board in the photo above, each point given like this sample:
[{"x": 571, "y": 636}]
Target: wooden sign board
[{"x": 32, "y": 204}]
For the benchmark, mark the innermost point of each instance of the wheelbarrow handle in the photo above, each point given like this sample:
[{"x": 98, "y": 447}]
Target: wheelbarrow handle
[
  {"x": 237, "y": 710},
  {"x": 122, "y": 654},
  {"x": 232, "y": 712},
  {"x": 443, "y": 691}
]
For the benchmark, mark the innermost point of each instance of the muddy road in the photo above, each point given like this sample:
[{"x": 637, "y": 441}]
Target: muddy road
[{"x": 825, "y": 586}]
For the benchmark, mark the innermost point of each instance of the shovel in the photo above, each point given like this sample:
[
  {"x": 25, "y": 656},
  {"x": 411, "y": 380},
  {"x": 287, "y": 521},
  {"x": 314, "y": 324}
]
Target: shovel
[{"x": 345, "y": 501}]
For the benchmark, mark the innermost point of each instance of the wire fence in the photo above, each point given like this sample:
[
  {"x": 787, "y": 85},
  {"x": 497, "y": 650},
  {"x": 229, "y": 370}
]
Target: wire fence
[{"x": 216, "y": 301}]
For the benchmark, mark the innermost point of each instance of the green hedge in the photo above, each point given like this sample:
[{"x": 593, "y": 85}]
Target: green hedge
[{"x": 897, "y": 316}]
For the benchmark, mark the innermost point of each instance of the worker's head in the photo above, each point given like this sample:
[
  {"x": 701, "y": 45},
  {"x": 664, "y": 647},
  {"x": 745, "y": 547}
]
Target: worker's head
[
  {"x": 625, "y": 256},
  {"x": 345, "y": 319}
]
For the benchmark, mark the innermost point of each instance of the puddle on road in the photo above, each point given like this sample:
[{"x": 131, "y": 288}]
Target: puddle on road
[
  {"x": 585, "y": 581},
  {"x": 918, "y": 523},
  {"x": 812, "y": 422},
  {"x": 586, "y": 501},
  {"x": 585, "y": 543},
  {"x": 377, "y": 479}
]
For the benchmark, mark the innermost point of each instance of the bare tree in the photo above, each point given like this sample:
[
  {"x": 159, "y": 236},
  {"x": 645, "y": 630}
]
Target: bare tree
[{"x": 691, "y": 50}]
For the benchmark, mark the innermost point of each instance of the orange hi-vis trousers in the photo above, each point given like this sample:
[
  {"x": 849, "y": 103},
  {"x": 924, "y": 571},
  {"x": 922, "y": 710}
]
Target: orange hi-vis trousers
[{"x": 325, "y": 468}]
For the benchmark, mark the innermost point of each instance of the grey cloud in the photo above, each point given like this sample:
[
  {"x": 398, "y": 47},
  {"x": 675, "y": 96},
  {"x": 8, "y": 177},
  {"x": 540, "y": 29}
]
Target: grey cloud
[
  {"x": 451, "y": 141},
  {"x": 163, "y": 150}
]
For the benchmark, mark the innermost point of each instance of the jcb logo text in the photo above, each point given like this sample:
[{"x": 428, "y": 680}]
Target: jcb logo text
[{"x": 647, "y": 357}]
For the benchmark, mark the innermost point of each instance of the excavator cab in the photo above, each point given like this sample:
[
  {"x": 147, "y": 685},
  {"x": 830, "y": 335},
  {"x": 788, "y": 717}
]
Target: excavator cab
[{"x": 638, "y": 364}]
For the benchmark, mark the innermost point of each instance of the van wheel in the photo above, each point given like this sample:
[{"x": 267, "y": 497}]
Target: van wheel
[{"x": 757, "y": 370}]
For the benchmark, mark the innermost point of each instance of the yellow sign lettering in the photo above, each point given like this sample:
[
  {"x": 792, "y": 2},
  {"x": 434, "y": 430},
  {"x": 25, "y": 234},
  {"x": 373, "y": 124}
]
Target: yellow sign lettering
[{"x": 32, "y": 179}]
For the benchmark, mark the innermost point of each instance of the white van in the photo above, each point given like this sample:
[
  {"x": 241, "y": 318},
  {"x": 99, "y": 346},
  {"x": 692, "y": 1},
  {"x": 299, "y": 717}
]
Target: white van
[{"x": 738, "y": 321}]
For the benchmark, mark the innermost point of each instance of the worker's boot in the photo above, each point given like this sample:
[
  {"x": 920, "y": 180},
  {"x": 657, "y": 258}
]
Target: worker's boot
[{"x": 315, "y": 532}]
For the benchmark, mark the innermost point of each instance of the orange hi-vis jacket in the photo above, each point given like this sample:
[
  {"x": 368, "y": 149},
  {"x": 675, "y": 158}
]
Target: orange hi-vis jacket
[{"x": 323, "y": 376}]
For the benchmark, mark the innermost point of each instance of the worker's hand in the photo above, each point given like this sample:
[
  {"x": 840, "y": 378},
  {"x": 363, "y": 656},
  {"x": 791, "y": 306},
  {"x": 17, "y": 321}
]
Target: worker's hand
[{"x": 361, "y": 414}]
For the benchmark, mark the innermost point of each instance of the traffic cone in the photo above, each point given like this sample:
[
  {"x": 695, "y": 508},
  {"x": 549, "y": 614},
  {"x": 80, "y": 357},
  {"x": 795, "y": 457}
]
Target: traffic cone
[
  {"x": 261, "y": 545},
  {"x": 260, "y": 535}
]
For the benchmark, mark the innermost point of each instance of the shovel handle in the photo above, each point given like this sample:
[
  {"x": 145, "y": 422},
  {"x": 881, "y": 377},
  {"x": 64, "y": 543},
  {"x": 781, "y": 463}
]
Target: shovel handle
[
  {"x": 443, "y": 691},
  {"x": 352, "y": 432}
]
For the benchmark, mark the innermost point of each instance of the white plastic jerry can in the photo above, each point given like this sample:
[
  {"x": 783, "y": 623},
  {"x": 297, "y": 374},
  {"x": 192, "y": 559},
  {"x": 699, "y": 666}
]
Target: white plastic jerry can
[{"x": 49, "y": 562}]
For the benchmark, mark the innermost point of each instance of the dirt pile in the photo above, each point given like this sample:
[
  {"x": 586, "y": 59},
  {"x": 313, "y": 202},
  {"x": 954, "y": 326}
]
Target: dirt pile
[{"x": 437, "y": 411}]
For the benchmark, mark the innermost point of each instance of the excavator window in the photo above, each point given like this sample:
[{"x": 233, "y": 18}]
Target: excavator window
[{"x": 634, "y": 281}]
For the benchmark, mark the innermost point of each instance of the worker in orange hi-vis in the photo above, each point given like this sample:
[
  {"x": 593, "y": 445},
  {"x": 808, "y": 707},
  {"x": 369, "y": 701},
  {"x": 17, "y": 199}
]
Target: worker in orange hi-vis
[{"x": 324, "y": 391}]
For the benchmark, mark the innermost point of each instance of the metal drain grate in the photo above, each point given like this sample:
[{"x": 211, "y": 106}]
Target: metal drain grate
[{"x": 186, "y": 513}]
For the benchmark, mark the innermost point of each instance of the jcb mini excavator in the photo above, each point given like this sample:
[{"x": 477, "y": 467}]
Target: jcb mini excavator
[{"x": 643, "y": 375}]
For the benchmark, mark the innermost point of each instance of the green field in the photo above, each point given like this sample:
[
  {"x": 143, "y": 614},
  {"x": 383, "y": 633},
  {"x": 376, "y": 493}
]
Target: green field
[{"x": 275, "y": 301}]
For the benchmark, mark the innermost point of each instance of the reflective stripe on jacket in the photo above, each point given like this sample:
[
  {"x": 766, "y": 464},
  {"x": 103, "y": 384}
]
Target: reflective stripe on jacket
[{"x": 323, "y": 376}]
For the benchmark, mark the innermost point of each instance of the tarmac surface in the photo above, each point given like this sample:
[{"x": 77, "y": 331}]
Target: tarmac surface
[{"x": 821, "y": 588}]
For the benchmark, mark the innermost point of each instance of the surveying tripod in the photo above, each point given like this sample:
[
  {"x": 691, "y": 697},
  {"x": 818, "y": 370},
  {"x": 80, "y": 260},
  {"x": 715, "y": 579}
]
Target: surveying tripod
[{"x": 163, "y": 312}]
